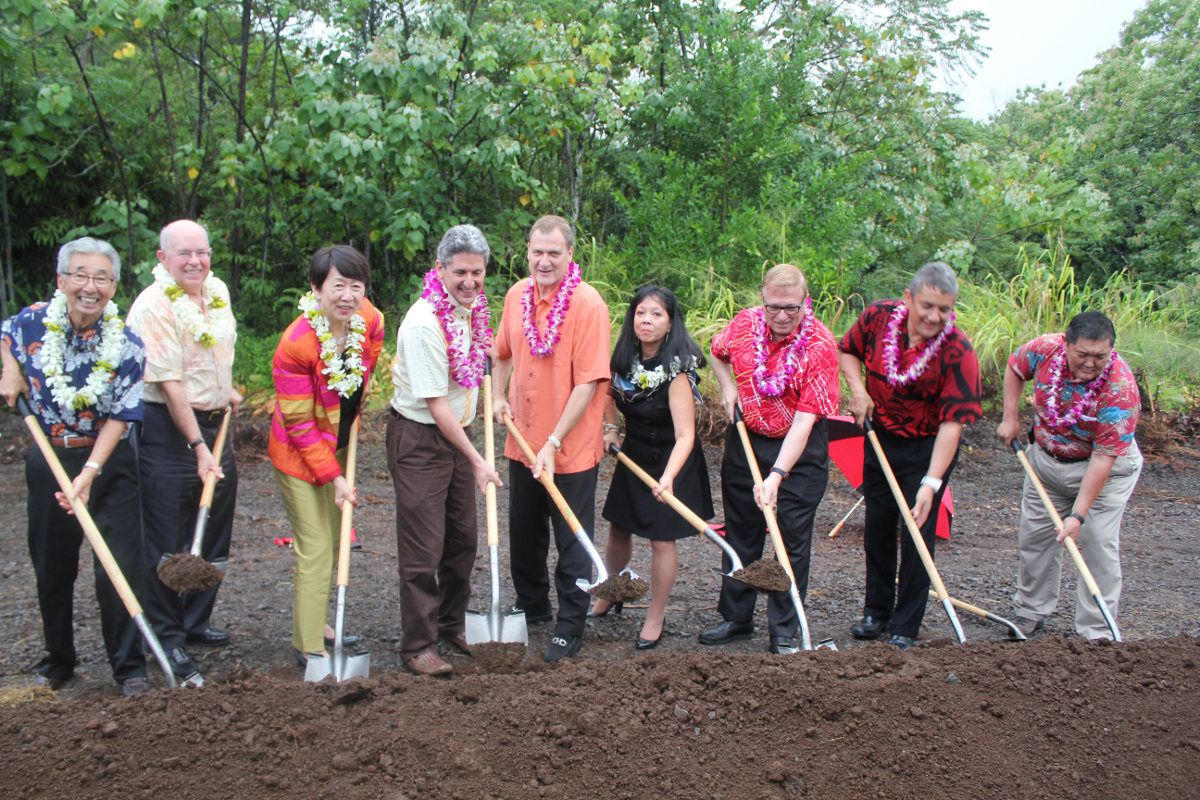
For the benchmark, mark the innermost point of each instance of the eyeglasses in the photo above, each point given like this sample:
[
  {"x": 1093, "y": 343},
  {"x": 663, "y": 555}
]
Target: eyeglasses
[
  {"x": 791, "y": 311},
  {"x": 186, "y": 255},
  {"x": 81, "y": 279}
]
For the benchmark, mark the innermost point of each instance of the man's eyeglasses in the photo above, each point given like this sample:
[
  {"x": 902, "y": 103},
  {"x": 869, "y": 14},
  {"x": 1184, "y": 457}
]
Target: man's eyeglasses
[
  {"x": 791, "y": 311},
  {"x": 81, "y": 279},
  {"x": 186, "y": 255}
]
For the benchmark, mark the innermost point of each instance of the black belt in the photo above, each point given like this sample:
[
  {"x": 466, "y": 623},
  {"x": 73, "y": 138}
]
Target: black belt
[
  {"x": 1064, "y": 459},
  {"x": 210, "y": 417}
]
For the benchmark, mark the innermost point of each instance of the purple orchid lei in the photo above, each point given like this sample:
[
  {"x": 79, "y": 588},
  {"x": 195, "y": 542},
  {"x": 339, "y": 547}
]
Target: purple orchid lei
[
  {"x": 891, "y": 349},
  {"x": 773, "y": 385},
  {"x": 466, "y": 359},
  {"x": 1058, "y": 366},
  {"x": 539, "y": 345}
]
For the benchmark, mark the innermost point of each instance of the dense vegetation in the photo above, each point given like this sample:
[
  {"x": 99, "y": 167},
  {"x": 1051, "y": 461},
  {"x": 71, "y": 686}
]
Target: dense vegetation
[{"x": 691, "y": 142}]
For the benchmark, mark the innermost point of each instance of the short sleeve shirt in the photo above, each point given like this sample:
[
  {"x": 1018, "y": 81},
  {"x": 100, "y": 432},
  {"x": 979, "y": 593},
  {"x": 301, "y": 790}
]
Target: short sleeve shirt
[
  {"x": 813, "y": 388},
  {"x": 540, "y": 385},
  {"x": 1107, "y": 425},
  {"x": 422, "y": 366},
  {"x": 949, "y": 390},
  {"x": 174, "y": 354},
  {"x": 24, "y": 334}
]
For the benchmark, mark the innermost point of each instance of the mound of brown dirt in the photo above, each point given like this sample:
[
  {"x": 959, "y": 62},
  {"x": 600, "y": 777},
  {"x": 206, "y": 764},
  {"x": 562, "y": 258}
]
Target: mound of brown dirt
[
  {"x": 620, "y": 588},
  {"x": 188, "y": 574},
  {"x": 502, "y": 658},
  {"x": 1047, "y": 719},
  {"x": 766, "y": 575}
]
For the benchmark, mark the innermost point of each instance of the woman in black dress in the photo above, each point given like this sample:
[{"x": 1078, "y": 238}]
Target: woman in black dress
[{"x": 654, "y": 387}]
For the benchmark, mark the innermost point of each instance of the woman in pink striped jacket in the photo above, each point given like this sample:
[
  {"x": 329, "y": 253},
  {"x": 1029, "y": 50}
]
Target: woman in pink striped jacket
[{"x": 322, "y": 367}]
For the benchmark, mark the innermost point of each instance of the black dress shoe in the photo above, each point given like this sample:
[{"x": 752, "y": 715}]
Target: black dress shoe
[
  {"x": 869, "y": 628},
  {"x": 182, "y": 664},
  {"x": 532, "y": 619},
  {"x": 903, "y": 642},
  {"x": 348, "y": 640},
  {"x": 209, "y": 638},
  {"x": 727, "y": 632},
  {"x": 647, "y": 644},
  {"x": 783, "y": 645},
  {"x": 616, "y": 608},
  {"x": 54, "y": 682},
  {"x": 562, "y": 647}
]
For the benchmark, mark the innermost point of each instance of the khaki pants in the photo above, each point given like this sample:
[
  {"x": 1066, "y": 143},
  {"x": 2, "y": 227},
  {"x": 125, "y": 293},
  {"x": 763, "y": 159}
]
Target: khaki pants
[
  {"x": 1099, "y": 540},
  {"x": 316, "y": 528}
]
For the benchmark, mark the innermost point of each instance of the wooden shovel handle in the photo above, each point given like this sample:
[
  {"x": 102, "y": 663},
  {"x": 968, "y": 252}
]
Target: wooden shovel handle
[
  {"x": 772, "y": 524},
  {"x": 210, "y": 480},
  {"x": 94, "y": 537},
  {"x": 489, "y": 453},
  {"x": 906, "y": 512},
  {"x": 545, "y": 478},
  {"x": 674, "y": 502},
  {"x": 343, "y": 573},
  {"x": 1076, "y": 556}
]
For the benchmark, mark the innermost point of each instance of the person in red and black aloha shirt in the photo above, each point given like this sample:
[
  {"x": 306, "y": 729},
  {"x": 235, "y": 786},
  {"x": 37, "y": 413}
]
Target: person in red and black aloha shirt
[
  {"x": 785, "y": 407},
  {"x": 918, "y": 404}
]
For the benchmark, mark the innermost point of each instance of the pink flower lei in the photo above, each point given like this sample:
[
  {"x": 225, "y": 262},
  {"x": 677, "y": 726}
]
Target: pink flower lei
[
  {"x": 772, "y": 385},
  {"x": 466, "y": 359},
  {"x": 891, "y": 349},
  {"x": 539, "y": 345},
  {"x": 1058, "y": 366}
]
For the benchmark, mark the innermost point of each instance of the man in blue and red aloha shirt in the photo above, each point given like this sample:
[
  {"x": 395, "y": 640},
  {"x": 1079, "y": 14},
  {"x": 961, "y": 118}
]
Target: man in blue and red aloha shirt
[
  {"x": 1086, "y": 406},
  {"x": 779, "y": 362},
  {"x": 922, "y": 385}
]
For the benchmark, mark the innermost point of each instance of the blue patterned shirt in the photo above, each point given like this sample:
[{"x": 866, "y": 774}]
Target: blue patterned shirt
[{"x": 23, "y": 335}]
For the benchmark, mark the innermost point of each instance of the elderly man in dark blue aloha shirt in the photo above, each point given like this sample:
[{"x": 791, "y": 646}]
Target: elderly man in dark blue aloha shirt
[{"x": 81, "y": 369}]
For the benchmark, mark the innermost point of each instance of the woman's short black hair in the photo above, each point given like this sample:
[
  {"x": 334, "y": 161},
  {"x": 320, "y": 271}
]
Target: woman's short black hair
[
  {"x": 348, "y": 261},
  {"x": 678, "y": 344}
]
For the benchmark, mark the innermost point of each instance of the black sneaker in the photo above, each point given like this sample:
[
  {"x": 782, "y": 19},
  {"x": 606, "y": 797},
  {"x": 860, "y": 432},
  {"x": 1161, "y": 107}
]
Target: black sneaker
[
  {"x": 182, "y": 664},
  {"x": 562, "y": 647}
]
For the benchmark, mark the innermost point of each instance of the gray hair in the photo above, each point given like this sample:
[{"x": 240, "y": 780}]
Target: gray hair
[
  {"x": 936, "y": 275},
  {"x": 462, "y": 239},
  {"x": 89, "y": 246}
]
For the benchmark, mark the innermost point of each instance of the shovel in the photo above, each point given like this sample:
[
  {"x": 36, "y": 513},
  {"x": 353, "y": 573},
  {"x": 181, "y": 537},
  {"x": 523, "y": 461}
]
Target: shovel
[
  {"x": 691, "y": 516},
  {"x": 203, "y": 575},
  {"x": 1015, "y": 634},
  {"x": 776, "y": 537},
  {"x": 493, "y": 626},
  {"x": 339, "y": 665},
  {"x": 1084, "y": 572},
  {"x": 565, "y": 510},
  {"x": 906, "y": 512},
  {"x": 99, "y": 546}
]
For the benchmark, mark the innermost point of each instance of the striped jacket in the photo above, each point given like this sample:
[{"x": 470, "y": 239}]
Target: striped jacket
[{"x": 307, "y": 412}]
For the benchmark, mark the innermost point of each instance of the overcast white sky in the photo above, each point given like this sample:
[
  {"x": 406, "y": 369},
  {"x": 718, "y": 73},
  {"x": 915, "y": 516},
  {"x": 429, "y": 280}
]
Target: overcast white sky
[{"x": 1038, "y": 41}]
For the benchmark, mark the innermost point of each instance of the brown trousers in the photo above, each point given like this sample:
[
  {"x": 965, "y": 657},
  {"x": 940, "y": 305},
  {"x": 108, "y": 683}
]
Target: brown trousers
[{"x": 436, "y": 533}]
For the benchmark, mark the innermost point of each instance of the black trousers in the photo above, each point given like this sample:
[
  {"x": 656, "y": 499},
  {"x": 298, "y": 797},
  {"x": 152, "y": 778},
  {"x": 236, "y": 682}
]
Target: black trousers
[
  {"x": 170, "y": 502},
  {"x": 530, "y": 509},
  {"x": 746, "y": 528},
  {"x": 54, "y": 540},
  {"x": 903, "y": 604}
]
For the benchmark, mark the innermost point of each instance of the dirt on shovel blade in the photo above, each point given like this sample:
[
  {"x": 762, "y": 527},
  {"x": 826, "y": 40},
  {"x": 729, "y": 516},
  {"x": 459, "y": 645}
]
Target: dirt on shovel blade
[
  {"x": 188, "y": 574},
  {"x": 765, "y": 575},
  {"x": 500, "y": 658},
  {"x": 620, "y": 588}
]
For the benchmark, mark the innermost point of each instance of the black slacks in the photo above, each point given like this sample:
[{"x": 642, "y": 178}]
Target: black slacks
[
  {"x": 903, "y": 604},
  {"x": 746, "y": 528},
  {"x": 529, "y": 510},
  {"x": 54, "y": 540},
  {"x": 170, "y": 502}
]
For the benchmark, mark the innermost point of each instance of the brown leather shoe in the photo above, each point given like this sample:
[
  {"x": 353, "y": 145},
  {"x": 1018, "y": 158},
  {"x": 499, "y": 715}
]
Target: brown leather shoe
[
  {"x": 428, "y": 663},
  {"x": 458, "y": 641}
]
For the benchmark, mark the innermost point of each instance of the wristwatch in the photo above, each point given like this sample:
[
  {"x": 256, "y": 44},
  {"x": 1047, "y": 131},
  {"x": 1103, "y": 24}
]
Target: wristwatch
[
  {"x": 195, "y": 444},
  {"x": 782, "y": 474},
  {"x": 555, "y": 443},
  {"x": 929, "y": 480},
  {"x": 610, "y": 428},
  {"x": 1077, "y": 516},
  {"x": 94, "y": 466}
]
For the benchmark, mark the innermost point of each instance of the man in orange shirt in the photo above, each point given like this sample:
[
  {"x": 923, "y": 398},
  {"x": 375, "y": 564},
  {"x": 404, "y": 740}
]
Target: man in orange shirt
[{"x": 553, "y": 340}]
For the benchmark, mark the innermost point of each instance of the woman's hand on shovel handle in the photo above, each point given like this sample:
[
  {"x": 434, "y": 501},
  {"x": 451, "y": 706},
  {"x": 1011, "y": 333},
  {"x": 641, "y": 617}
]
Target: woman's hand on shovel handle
[{"x": 342, "y": 492}]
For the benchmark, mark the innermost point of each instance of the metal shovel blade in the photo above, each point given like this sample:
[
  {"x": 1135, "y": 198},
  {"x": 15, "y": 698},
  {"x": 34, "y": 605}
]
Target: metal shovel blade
[
  {"x": 496, "y": 626},
  {"x": 828, "y": 644},
  {"x": 345, "y": 668}
]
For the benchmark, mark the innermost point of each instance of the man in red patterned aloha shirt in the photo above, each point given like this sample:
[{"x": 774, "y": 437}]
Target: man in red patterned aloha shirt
[
  {"x": 1086, "y": 405},
  {"x": 922, "y": 385},
  {"x": 780, "y": 363}
]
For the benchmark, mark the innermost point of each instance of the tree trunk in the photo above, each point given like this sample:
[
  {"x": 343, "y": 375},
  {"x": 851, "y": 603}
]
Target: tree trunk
[
  {"x": 162, "y": 85},
  {"x": 7, "y": 295},
  {"x": 235, "y": 243}
]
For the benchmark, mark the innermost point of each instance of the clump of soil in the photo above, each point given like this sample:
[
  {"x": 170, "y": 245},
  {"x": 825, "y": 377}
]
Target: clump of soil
[
  {"x": 188, "y": 574},
  {"x": 500, "y": 658},
  {"x": 765, "y": 575},
  {"x": 620, "y": 588}
]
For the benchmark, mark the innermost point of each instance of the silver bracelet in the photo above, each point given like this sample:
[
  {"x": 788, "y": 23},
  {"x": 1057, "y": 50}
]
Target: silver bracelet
[
  {"x": 610, "y": 428},
  {"x": 94, "y": 466},
  {"x": 929, "y": 480},
  {"x": 553, "y": 440}
]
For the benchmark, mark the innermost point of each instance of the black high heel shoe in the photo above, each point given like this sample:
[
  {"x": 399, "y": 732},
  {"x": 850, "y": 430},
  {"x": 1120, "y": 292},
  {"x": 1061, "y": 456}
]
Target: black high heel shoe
[
  {"x": 647, "y": 644},
  {"x": 616, "y": 608}
]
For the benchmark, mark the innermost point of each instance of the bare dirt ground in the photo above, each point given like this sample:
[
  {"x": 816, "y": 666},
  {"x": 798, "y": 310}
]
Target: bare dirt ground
[{"x": 1055, "y": 717}]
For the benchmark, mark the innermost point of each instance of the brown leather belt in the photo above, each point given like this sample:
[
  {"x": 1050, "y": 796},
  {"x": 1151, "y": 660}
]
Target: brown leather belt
[{"x": 72, "y": 440}]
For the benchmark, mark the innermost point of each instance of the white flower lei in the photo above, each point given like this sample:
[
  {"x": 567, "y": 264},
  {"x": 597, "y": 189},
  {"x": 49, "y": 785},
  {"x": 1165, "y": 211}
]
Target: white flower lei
[
  {"x": 206, "y": 333},
  {"x": 653, "y": 378},
  {"x": 54, "y": 347},
  {"x": 345, "y": 371}
]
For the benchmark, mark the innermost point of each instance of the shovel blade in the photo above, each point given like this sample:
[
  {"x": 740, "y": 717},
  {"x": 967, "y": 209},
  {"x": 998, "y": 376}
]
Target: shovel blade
[
  {"x": 321, "y": 667},
  {"x": 513, "y": 629},
  {"x": 477, "y": 631}
]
